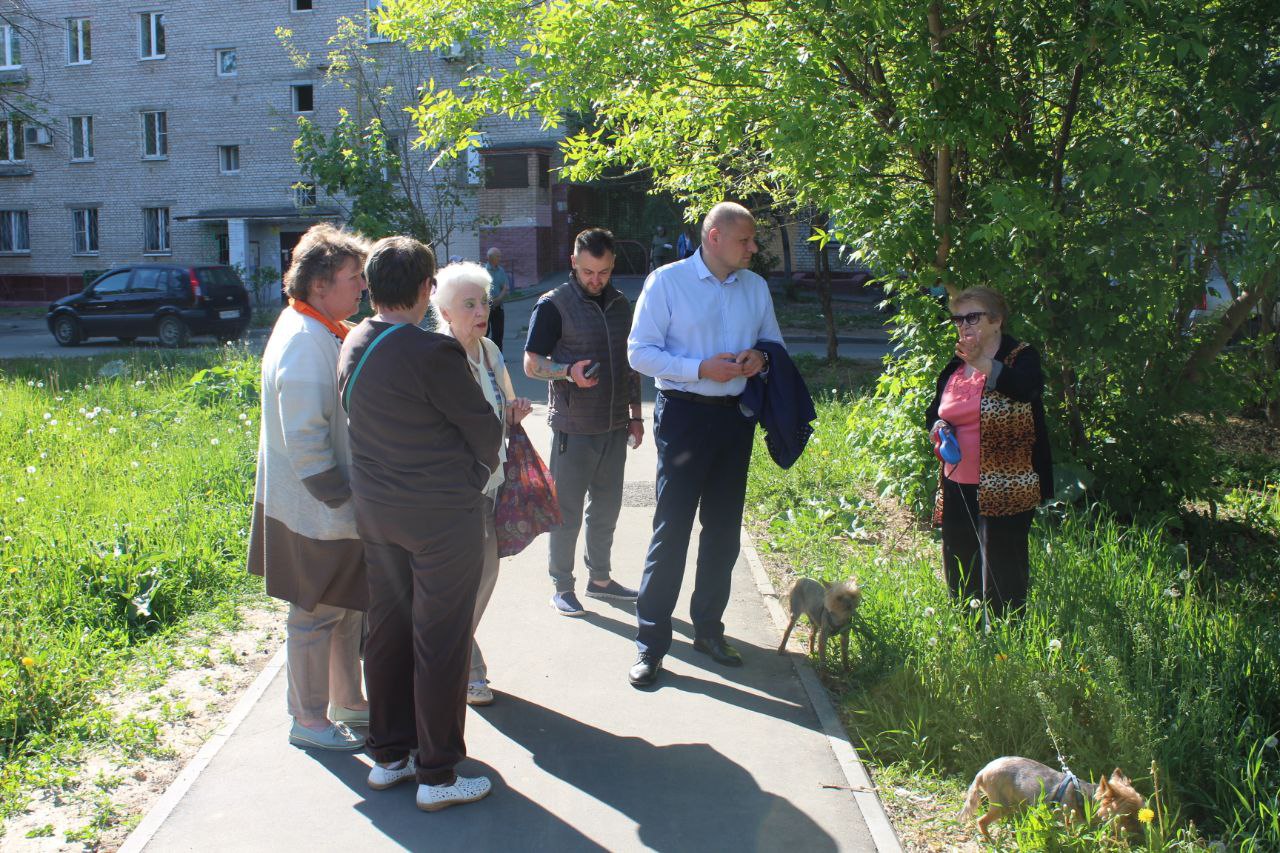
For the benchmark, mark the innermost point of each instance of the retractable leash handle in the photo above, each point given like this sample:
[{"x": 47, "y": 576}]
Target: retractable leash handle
[{"x": 948, "y": 448}]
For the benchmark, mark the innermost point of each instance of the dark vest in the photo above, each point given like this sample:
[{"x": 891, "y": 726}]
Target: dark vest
[{"x": 600, "y": 334}]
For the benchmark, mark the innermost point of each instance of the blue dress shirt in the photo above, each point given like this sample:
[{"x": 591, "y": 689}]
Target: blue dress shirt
[{"x": 685, "y": 314}]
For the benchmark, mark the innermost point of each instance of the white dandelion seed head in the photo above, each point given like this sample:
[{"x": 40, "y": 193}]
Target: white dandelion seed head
[
  {"x": 39, "y": 384},
  {"x": 929, "y": 612},
  {"x": 31, "y": 469},
  {"x": 1055, "y": 645},
  {"x": 933, "y": 641},
  {"x": 53, "y": 422},
  {"x": 8, "y": 539},
  {"x": 111, "y": 431},
  {"x": 214, "y": 441},
  {"x": 21, "y": 499},
  {"x": 133, "y": 464},
  {"x": 974, "y": 604},
  {"x": 1185, "y": 575},
  {"x": 1173, "y": 592},
  {"x": 47, "y": 415},
  {"x": 44, "y": 455},
  {"x": 1270, "y": 743},
  {"x": 31, "y": 383}
]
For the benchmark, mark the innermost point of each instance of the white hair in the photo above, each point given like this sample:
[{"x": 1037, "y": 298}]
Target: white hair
[{"x": 448, "y": 280}]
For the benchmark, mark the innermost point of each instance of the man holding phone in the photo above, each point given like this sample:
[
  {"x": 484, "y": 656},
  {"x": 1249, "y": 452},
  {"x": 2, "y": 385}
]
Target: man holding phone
[{"x": 578, "y": 343}]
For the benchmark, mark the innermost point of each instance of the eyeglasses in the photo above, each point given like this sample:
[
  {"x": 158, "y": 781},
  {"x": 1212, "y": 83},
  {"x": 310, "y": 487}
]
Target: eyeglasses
[{"x": 970, "y": 319}]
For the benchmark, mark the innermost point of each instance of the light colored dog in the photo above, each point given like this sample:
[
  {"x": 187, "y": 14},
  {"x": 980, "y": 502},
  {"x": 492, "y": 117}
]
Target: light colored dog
[
  {"x": 1011, "y": 783},
  {"x": 830, "y": 608}
]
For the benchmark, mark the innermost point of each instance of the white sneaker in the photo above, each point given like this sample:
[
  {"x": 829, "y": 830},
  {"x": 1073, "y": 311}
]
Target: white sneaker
[
  {"x": 478, "y": 693},
  {"x": 381, "y": 777},
  {"x": 433, "y": 798}
]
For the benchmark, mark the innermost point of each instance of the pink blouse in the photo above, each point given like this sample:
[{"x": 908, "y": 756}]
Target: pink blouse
[{"x": 960, "y": 406}]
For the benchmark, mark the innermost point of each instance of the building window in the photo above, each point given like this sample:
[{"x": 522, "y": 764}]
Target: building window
[
  {"x": 84, "y": 226},
  {"x": 81, "y": 138},
  {"x": 10, "y": 48},
  {"x": 304, "y": 97},
  {"x": 155, "y": 226},
  {"x": 155, "y": 136},
  {"x": 227, "y": 62},
  {"x": 79, "y": 44},
  {"x": 13, "y": 148},
  {"x": 151, "y": 35},
  {"x": 506, "y": 171},
  {"x": 304, "y": 194},
  {"x": 301, "y": 5},
  {"x": 229, "y": 159},
  {"x": 14, "y": 234},
  {"x": 372, "y": 7}
]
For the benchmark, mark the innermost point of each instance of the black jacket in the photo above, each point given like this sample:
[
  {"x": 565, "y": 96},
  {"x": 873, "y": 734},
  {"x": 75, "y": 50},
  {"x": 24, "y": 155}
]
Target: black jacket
[{"x": 782, "y": 403}]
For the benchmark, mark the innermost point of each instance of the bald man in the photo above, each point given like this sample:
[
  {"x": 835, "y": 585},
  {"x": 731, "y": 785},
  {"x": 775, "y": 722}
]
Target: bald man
[{"x": 696, "y": 325}]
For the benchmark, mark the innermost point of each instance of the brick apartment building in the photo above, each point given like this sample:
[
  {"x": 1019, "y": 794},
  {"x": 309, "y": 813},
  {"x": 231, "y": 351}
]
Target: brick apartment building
[{"x": 163, "y": 129}]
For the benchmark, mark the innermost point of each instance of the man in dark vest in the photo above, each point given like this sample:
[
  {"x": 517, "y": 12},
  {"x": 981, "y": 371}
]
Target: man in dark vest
[{"x": 578, "y": 343}]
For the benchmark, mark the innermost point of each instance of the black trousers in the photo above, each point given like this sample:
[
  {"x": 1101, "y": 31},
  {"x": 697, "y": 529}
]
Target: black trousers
[
  {"x": 497, "y": 325},
  {"x": 968, "y": 537},
  {"x": 703, "y": 455},
  {"x": 424, "y": 572}
]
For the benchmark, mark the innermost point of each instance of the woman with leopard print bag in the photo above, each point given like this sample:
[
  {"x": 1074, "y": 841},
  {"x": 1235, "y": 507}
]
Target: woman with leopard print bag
[{"x": 989, "y": 406}]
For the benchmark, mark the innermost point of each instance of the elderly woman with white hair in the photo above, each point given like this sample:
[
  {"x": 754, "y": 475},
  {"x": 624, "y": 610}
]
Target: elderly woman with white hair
[{"x": 461, "y": 304}]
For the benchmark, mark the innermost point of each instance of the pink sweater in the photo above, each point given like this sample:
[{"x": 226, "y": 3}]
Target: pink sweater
[{"x": 960, "y": 406}]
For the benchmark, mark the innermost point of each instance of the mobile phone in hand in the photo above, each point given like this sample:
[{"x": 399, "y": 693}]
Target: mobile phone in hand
[{"x": 590, "y": 372}]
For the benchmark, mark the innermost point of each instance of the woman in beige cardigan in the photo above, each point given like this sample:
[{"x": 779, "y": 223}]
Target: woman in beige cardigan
[
  {"x": 461, "y": 305},
  {"x": 303, "y": 539}
]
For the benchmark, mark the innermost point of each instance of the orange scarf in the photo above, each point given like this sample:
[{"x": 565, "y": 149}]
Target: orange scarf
[{"x": 339, "y": 329}]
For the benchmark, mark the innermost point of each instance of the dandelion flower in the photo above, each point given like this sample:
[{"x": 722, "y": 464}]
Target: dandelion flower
[
  {"x": 44, "y": 455},
  {"x": 974, "y": 604},
  {"x": 1146, "y": 815},
  {"x": 31, "y": 469},
  {"x": 133, "y": 464},
  {"x": 8, "y": 539},
  {"x": 1270, "y": 743},
  {"x": 31, "y": 383},
  {"x": 111, "y": 431},
  {"x": 21, "y": 499},
  {"x": 1055, "y": 645},
  {"x": 28, "y": 662},
  {"x": 1002, "y": 657},
  {"x": 933, "y": 641},
  {"x": 13, "y": 570},
  {"x": 47, "y": 415},
  {"x": 214, "y": 441},
  {"x": 39, "y": 384},
  {"x": 1185, "y": 575},
  {"x": 53, "y": 422},
  {"x": 929, "y": 612}
]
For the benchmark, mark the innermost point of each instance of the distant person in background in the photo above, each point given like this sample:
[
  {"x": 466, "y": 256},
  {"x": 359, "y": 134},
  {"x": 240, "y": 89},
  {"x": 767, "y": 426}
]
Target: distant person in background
[
  {"x": 684, "y": 244},
  {"x": 659, "y": 248},
  {"x": 303, "y": 537},
  {"x": 990, "y": 396},
  {"x": 497, "y": 295}
]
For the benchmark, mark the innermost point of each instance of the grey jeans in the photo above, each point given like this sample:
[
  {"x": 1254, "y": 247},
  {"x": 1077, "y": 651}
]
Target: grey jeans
[{"x": 586, "y": 466}]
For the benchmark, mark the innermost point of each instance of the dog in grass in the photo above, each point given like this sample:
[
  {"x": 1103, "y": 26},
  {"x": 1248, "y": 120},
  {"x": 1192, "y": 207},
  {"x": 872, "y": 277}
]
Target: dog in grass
[
  {"x": 830, "y": 608},
  {"x": 1011, "y": 783}
]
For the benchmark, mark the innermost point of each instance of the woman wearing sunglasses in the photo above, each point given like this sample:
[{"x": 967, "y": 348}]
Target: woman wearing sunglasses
[{"x": 989, "y": 407}]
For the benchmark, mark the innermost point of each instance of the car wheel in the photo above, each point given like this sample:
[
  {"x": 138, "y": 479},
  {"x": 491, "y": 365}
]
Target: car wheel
[
  {"x": 126, "y": 339},
  {"x": 172, "y": 332},
  {"x": 67, "y": 331}
]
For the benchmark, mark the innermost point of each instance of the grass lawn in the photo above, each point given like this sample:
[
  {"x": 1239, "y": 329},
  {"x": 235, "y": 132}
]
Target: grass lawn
[
  {"x": 806, "y": 314},
  {"x": 125, "y": 489},
  {"x": 1142, "y": 647}
]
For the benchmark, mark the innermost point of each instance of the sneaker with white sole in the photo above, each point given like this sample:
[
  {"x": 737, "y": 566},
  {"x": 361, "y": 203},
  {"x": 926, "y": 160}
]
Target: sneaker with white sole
[
  {"x": 567, "y": 604},
  {"x": 336, "y": 736},
  {"x": 433, "y": 798},
  {"x": 382, "y": 777},
  {"x": 612, "y": 591},
  {"x": 478, "y": 693}
]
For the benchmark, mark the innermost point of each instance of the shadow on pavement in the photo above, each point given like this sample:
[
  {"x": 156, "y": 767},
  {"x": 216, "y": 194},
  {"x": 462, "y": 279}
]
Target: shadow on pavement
[
  {"x": 505, "y": 820},
  {"x": 683, "y": 797}
]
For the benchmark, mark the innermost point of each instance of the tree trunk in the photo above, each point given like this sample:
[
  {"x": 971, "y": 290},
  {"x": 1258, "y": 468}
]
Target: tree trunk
[
  {"x": 1270, "y": 355},
  {"x": 823, "y": 279},
  {"x": 788, "y": 274},
  {"x": 1204, "y": 354}
]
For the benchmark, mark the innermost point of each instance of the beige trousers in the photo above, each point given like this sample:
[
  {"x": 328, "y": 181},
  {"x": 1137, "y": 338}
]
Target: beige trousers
[
  {"x": 323, "y": 651},
  {"x": 488, "y": 580}
]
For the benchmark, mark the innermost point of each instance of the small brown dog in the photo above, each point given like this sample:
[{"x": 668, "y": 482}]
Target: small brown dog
[
  {"x": 830, "y": 609},
  {"x": 1011, "y": 783}
]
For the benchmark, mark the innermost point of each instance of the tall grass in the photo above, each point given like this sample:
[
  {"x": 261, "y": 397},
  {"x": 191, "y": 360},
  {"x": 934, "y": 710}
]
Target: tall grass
[
  {"x": 124, "y": 496},
  {"x": 1128, "y": 653}
]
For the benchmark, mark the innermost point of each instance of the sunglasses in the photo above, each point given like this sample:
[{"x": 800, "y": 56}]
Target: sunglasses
[{"x": 970, "y": 319}]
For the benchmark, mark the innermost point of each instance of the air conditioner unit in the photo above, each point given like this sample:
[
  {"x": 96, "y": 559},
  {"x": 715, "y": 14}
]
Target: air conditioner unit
[
  {"x": 36, "y": 135},
  {"x": 453, "y": 51}
]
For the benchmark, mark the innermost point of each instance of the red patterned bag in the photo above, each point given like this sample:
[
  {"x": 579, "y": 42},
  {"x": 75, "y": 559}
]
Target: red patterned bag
[{"x": 527, "y": 504}]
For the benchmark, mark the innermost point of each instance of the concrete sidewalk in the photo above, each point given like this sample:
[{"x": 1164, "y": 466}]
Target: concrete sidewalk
[{"x": 712, "y": 759}]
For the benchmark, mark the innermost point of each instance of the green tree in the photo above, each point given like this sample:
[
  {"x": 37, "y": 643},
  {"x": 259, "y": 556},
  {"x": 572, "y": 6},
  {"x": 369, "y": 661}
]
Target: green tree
[
  {"x": 1092, "y": 160},
  {"x": 366, "y": 161}
]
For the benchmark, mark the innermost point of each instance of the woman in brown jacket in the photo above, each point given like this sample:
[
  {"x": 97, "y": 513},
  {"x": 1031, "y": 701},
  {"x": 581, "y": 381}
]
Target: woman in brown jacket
[{"x": 990, "y": 397}]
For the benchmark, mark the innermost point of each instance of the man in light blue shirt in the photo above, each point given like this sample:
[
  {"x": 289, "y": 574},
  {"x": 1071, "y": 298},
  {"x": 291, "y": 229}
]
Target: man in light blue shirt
[{"x": 695, "y": 329}]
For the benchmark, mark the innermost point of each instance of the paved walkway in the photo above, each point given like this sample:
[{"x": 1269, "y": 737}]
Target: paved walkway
[{"x": 712, "y": 759}]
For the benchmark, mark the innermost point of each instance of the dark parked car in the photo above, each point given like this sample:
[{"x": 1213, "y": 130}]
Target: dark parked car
[{"x": 166, "y": 301}]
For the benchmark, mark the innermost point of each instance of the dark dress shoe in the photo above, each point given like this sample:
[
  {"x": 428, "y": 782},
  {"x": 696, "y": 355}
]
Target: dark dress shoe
[
  {"x": 721, "y": 652},
  {"x": 644, "y": 671}
]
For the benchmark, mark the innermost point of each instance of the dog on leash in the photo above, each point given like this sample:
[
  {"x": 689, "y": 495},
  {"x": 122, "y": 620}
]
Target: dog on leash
[
  {"x": 830, "y": 608},
  {"x": 1011, "y": 783}
]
